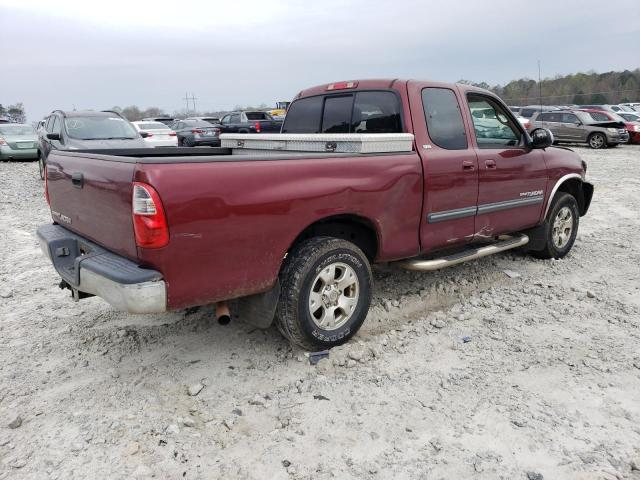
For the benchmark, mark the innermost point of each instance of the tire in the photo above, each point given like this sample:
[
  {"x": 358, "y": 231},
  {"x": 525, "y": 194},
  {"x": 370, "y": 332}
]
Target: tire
[
  {"x": 597, "y": 140},
  {"x": 41, "y": 166},
  {"x": 314, "y": 310},
  {"x": 561, "y": 227}
]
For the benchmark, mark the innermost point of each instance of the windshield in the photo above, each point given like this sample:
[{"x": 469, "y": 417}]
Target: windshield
[
  {"x": 99, "y": 128},
  {"x": 17, "y": 130}
]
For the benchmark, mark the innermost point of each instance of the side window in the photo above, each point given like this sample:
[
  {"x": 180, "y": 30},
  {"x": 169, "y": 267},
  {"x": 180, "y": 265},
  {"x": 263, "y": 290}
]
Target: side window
[
  {"x": 569, "y": 118},
  {"x": 376, "y": 112},
  {"x": 56, "y": 126},
  {"x": 49, "y": 123},
  {"x": 225, "y": 119},
  {"x": 543, "y": 117},
  {"x": 337, "y": 114},
  {"x": 553, "y": 117},
  {"x": 235, "y": 118},
  {"x": 444, "y": 119},
  {"x": 495, "y": 129}
]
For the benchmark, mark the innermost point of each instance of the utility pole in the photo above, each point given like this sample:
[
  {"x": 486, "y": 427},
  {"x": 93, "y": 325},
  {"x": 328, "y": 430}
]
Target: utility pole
[
  {"x": 539, "y": 85},
  {"x": 186, "y": 99},
  {"x": 193, "y": 99}
]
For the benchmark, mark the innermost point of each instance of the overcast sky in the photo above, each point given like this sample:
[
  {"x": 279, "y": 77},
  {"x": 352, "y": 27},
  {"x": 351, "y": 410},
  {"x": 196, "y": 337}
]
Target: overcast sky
[{"x": 57, "y": 54}]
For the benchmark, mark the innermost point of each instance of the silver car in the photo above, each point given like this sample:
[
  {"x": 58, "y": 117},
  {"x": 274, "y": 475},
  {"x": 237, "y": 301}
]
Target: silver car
[{"x": 578, "y": 127}]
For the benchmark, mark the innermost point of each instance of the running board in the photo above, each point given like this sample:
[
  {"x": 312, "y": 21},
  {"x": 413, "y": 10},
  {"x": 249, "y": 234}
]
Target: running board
[{"x": 506, "y": 242}]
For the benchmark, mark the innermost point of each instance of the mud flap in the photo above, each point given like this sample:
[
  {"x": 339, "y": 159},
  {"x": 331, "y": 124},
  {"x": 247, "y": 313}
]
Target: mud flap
[{"x": 259, "y": 310}]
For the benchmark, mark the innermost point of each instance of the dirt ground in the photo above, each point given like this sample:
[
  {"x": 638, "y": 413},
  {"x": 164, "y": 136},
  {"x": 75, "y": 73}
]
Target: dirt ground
[{"x": 547, "y": 387}]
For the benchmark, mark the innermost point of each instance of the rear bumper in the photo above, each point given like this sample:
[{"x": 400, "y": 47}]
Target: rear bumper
[
  {"x": 7, "y": 153},
  {"x": 88, "y": 269},
  {"x": 213, "y": 142}
]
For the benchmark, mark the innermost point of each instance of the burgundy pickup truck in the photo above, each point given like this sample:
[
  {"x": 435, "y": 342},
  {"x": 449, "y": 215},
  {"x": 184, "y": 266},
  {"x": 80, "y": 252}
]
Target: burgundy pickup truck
[{"x": 293, "y": 234}]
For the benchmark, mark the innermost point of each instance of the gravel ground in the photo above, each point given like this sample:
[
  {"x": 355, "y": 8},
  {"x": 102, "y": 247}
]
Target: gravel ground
[{"x": 547, "y": 387}]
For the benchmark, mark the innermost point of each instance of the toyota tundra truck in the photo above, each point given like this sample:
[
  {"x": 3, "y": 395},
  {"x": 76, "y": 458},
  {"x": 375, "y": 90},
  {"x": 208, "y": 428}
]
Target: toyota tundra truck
[{"x": 292, "y": 234}]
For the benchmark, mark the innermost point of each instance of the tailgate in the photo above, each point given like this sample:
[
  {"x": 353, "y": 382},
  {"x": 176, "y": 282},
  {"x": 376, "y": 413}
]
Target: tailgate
[{"x": 91, "y": 196}]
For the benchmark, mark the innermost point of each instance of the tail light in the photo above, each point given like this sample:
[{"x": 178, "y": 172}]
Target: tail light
[
  {"x": 149, "y": 221},
  {"x": 2, "y": 141},
  {"x": 172, "y": 134},
  {"x": 342, "y": 85},
  {"x": 257, "y": 127},
  {"x": 46, "y": 187},
  {"x": 197, "y": 130}
]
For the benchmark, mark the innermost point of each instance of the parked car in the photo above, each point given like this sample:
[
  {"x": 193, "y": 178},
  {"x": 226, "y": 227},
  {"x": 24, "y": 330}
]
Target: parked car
[
  {"x": 211, "y": 120},
  {"x": 166, "y": 120},
  {"x": 293, "y": 235},
  {"x": 249, "y": 122},
  {"x": 86, "y": 130},
  {"x": 18, "y": 141},
  {"x": 4, "y": 120},
  {"x": 196, "y": 133},
  {"x": 635, "y": 106},
  {"x": 630, "y": 120},
  {"x": 577, "y": 126},
  {"x": 156, "y": 134},
  {"x": 603, "y": 108},
  {"x": 528, "y": 112}
]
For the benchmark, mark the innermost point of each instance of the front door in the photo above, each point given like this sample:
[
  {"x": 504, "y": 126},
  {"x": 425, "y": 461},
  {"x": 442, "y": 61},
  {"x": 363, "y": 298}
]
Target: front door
[
  {"x": 449, "y": 163},
  {"x": 512, "y": 177}
]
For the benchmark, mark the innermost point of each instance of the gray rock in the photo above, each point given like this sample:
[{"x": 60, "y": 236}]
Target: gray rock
[
  {"x": 534, "y": 476},
  {"x": 173, "y": 429},
  {"x": 437, "y": 323},
  {"x": 195, "y": 389},
  {"x": 189, "y": 422},
  {"x": 590, "y": 294},
  {"x": 16, "y": 423}
]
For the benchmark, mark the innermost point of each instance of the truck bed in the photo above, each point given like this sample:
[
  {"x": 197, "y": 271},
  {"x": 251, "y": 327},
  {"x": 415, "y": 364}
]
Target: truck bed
[{"x": 233, "y": 216}]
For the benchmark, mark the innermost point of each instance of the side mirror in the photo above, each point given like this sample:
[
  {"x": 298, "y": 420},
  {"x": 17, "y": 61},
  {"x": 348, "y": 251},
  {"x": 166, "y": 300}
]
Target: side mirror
[
  {"x": 577, "y": 124},
  {"x": 53, "y": 136},
  {"x": 541, "y": 138},
  {"x": 144, "y": 134}
]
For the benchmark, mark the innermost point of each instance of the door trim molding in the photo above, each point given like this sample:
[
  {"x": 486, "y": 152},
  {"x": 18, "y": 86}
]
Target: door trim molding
[{"x": 457, "y": 213}]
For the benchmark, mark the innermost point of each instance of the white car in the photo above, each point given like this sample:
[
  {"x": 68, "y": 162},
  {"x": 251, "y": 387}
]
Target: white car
[{"x": 157, "y": 134}]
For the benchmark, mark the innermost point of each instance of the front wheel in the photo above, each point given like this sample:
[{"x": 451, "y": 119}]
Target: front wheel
[
  {"x": 561, "y": 227},
  {"x": 325, "y": 293},
  {"x": 597, "y": 140}
]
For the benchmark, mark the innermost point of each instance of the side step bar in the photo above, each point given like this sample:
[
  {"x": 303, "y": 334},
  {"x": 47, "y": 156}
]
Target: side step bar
[{"x": 505, "y": 242}]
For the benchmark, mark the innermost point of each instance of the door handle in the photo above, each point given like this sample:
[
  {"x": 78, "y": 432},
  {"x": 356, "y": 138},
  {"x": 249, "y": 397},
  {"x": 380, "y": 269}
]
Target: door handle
[
  {"x": 468, "y": 165},
  {"x": 77, "y": 179},
  {"x": 490, "y": 163}
]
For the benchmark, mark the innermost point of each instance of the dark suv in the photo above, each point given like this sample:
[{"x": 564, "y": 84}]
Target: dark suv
[{"x": 85, "y": 130}]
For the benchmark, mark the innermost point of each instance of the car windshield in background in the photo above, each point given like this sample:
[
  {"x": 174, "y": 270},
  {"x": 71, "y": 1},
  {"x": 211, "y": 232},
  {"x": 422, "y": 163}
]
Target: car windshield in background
[
  {"x": 16, "y": 130},
  {"x": 630, "y": 117},
  {"x": 99, "y": 128},
  {"x": 258, "y": 116},
  {"x": 152, "y": 126}
]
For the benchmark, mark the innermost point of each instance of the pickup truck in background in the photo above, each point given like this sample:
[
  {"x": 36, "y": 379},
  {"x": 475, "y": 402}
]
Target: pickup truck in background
[
  {"x": 293, "y": 234},
  {"x": 249, "y": 122}
]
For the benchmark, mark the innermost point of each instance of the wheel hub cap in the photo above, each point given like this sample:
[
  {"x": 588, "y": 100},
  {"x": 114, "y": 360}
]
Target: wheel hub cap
[
  {"x": 334, "y": 296},
  {"x": 562, "y": 227}
]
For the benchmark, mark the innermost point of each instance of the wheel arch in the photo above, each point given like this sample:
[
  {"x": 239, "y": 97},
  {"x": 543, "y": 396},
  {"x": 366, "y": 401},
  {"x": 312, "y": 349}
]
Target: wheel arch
[
  {"x": 351, "y": 227},
  {"x": 574, "y": 185}
]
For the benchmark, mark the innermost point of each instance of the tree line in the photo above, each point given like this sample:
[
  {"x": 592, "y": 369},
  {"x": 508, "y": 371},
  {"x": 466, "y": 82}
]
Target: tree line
[
  {"x": 15, "y": 113},
  {"x": 578, "y": 88}
]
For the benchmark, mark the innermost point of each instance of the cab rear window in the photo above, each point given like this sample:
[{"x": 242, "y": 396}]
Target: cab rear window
[{"x": 362, "y": 112}]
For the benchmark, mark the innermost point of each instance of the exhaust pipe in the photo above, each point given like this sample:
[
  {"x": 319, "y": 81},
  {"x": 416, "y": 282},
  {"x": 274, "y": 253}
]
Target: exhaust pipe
[{"x": 222, "y": 313}]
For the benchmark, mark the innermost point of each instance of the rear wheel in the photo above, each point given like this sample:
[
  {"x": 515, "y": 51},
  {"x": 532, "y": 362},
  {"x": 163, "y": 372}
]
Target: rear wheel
[
  {"x": 561, "y": 227},
  {"x": 325, "y": 293},
  {"x": 597, "y": 140}
]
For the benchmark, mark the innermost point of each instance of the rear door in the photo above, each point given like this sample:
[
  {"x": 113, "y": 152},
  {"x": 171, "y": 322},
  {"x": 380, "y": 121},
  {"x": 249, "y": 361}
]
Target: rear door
[
  {"x": 450, "y": 166},
  {"x": 512, "y": 177}
]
